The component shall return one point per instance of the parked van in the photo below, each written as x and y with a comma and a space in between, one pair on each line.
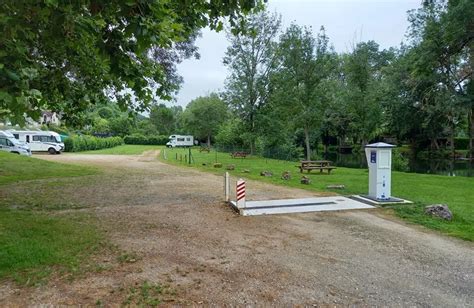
40, 141
10, 144
180, 141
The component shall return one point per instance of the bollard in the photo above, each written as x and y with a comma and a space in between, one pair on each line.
240, 193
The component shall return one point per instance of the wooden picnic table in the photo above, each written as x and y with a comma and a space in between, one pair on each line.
320, 165
239, 154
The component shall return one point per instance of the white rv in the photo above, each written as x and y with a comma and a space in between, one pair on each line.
180, 141
10, 144
40, 141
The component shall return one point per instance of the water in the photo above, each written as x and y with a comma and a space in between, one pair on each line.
430, 166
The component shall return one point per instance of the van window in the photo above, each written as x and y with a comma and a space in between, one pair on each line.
180, 139
28, 138
16, 136
44, 138
188, 139
3, 141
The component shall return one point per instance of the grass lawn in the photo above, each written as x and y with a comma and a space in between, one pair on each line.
34, 243
456, 192
125, 149
15, 168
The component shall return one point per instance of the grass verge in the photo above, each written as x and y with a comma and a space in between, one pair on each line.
456, 192
125, 149
35, 243
14, 168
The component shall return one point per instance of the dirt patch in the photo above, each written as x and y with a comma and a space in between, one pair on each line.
177, 232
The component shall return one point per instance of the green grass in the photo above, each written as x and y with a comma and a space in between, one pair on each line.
15, 168
125, 149
35, 243
456, 192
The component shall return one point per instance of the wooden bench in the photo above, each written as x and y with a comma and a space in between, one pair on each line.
320, 165
204, 149
239, 154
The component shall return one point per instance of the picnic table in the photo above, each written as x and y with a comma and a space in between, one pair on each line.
320, 165
204, 149
239, 154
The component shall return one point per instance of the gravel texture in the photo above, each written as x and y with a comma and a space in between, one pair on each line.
174, 223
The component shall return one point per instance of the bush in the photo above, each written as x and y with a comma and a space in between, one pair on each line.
461, 143
399, 162
151, 140
88, 143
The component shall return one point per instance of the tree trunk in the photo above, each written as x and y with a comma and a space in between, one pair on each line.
209, 140
471, 133
306, 139
451, 140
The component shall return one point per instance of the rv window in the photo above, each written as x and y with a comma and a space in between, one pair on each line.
3, 141
180, 139
44, 138
36, 138
187, 139
16, 136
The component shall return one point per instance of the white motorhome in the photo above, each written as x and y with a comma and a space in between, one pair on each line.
9, 143
40, 141
180, 141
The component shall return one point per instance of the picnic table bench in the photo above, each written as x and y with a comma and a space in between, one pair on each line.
320, 165
205, 149
239, 154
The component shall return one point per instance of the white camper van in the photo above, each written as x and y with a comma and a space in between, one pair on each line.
180, 141
10, 144
40, 141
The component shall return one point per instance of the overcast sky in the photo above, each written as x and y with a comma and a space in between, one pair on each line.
346, 22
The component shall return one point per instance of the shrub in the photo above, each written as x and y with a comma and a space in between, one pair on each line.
88, 143
141, 139
399, 162
461, 143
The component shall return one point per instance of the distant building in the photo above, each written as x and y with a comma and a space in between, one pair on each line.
49, 117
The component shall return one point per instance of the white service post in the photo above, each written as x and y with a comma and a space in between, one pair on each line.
227, 187
379, 160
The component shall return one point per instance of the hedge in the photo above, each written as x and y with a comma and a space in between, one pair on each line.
87, 143
140, 139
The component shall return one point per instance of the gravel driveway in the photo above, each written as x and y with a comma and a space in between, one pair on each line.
173, 220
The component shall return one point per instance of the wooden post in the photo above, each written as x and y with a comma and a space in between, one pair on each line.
227, 187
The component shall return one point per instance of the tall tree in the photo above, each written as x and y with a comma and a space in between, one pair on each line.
163, 118
306, 63
362, 76
251, 59
67, 55
204, 115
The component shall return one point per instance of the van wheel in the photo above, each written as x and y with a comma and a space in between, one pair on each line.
51, 151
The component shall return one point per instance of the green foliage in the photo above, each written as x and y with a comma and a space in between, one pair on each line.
461, 143
399, 162
85, 143
204, 115
151, 140
165, 119
68, 56
125, 149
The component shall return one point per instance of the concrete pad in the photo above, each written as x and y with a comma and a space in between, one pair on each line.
284, 206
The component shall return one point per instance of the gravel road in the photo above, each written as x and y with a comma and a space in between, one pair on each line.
182, 234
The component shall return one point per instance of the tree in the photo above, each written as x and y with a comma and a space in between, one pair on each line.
306, 63
362, 75
68, 55
204, 115
251, 59
163, 118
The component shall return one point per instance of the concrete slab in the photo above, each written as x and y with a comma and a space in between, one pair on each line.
285, 206
371, 201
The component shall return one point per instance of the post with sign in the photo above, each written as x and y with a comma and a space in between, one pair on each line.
379, 160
